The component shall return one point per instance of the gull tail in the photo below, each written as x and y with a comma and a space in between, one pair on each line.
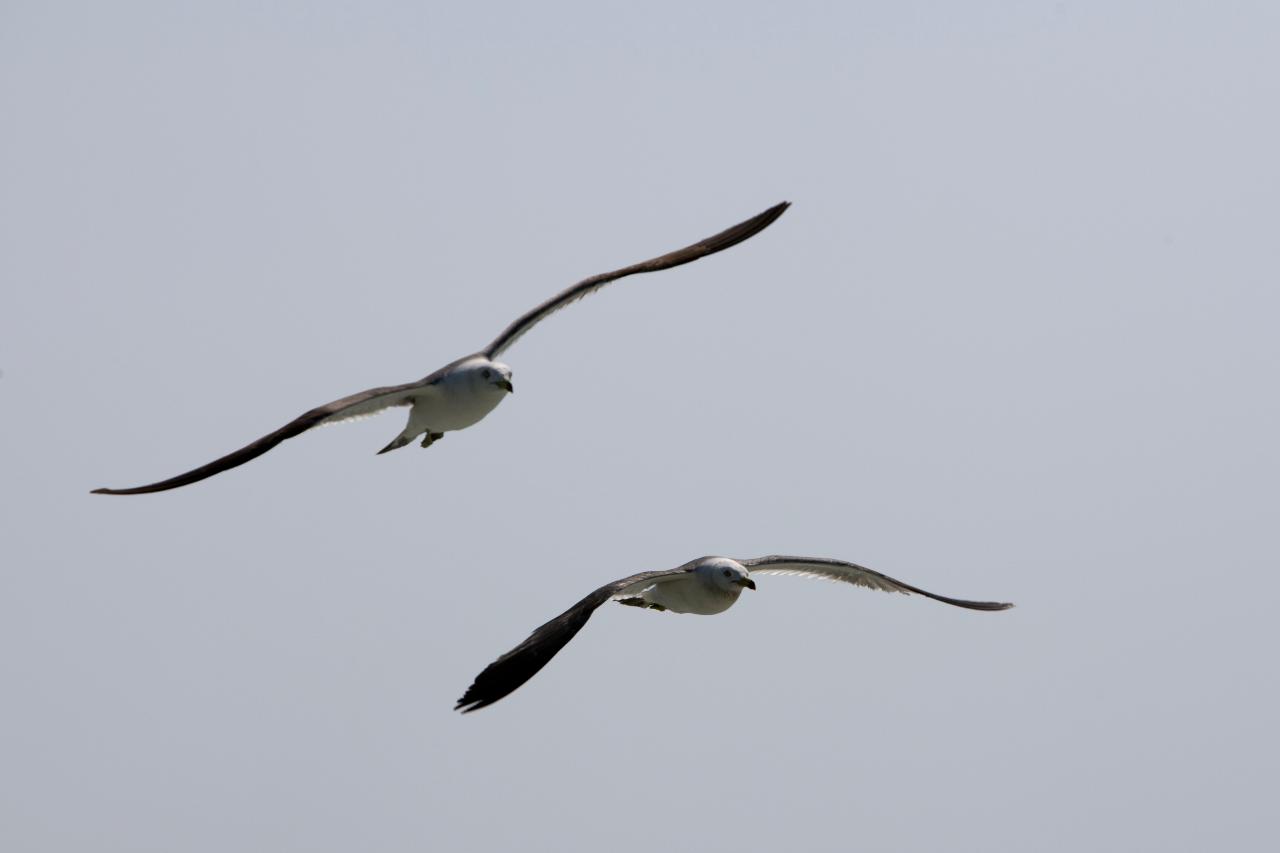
396, 443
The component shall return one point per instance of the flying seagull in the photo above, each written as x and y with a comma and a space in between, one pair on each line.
706, 586
464, 391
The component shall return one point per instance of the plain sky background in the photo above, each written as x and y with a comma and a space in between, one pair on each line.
1017, 339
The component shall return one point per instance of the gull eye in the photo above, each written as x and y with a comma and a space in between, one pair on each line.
485, 373
728, 573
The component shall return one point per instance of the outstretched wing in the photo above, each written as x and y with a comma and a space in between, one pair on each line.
717, 243
521, 663
357, 405
837, 570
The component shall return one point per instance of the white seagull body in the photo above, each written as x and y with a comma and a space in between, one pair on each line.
463, 392
705, 586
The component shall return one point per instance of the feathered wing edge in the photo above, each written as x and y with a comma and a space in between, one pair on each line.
517, 666
838, 570
708, 246
295, 427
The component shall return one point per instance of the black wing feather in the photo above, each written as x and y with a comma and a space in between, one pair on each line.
253, 450
709, 246
520, 664
840, 570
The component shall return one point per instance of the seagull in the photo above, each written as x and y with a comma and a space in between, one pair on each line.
463, 391
706, 586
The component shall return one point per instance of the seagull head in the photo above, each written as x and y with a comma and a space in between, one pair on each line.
494, 373
725, 574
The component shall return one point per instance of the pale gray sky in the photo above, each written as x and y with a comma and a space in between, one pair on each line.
1017, 340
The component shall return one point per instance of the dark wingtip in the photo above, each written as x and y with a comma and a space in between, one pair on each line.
988, 605
767, 218
731, 236
467, 704
963, 602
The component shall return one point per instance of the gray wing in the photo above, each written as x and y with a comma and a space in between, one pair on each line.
523, 662
717, 243
354, 406
837, 570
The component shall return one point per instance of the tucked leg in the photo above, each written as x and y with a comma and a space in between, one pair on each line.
431, 438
